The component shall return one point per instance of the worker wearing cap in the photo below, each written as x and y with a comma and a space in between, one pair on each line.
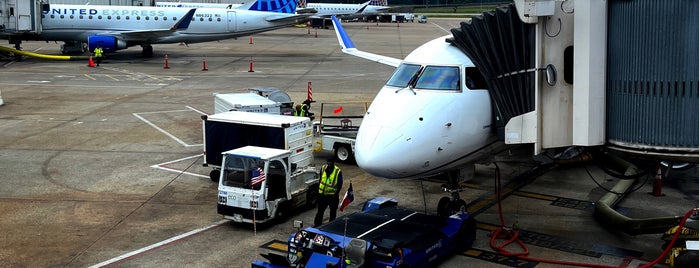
328, 191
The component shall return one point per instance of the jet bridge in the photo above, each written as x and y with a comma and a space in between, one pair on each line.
592, 72
19, 18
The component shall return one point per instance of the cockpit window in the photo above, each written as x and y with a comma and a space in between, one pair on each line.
439, 77
403, 75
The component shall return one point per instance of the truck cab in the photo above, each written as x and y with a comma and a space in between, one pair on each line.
258, 184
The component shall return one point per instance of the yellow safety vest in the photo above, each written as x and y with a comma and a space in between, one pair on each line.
302, 112
328, 184
98, 52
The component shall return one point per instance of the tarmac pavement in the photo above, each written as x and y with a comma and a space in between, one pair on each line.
102, 166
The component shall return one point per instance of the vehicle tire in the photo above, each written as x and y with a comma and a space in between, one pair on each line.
312, 196
443, 207
214, 175
343, 153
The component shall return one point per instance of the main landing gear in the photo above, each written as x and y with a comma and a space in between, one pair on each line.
147, 51
447, 206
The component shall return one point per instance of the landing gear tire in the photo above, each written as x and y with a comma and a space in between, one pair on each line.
343, 153
147, 51
446, 207
214, 175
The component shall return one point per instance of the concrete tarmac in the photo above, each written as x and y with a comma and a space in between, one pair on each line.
102, 166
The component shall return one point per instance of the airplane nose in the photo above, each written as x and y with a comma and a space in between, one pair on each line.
376, 148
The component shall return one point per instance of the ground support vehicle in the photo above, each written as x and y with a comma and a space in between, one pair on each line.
336, 130
258, 100
381, 235
260, 184
236, 129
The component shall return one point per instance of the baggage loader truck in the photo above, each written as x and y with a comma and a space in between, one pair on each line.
235, 129
260, 184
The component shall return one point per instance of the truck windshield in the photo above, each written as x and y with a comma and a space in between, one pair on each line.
243, 172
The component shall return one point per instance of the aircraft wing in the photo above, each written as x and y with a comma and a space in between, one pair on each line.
181, 24
349, 48
295, 18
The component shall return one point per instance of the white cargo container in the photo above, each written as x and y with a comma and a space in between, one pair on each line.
245, 102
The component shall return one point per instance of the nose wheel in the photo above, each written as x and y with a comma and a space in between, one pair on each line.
452, 204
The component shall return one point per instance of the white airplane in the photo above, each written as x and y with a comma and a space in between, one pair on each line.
120, 27
433, 116
322, 10
325, 10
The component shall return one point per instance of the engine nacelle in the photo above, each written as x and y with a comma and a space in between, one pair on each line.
107, 43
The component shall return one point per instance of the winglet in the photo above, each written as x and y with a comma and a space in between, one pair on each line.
349, 48
342, 36
361, 10
183, 23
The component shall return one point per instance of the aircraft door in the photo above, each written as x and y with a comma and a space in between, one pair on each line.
232, 21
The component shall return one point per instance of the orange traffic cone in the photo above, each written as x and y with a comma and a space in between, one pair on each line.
658, 183
90, 63
167, 65
251, 70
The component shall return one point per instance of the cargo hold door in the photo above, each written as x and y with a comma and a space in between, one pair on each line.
232, 21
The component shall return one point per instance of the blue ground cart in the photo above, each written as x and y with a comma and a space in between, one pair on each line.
381, 235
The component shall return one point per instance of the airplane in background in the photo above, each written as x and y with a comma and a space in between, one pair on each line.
433, 116
322, 10
325, 10
119, 27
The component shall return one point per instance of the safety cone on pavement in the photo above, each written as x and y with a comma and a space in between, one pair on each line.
251, 39
167, 65
203, 65
250, 71
658, 183
90, 63
316, 33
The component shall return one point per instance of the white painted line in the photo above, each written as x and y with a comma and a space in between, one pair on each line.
159, 244
163, 167
195, 109
138, 115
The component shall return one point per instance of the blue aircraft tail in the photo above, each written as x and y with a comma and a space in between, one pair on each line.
281, 6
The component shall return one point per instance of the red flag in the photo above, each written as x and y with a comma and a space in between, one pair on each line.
349, 197
338, 110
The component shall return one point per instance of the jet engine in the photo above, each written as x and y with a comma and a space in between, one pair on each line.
108, 43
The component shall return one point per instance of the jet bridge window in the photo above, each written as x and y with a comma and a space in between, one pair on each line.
439, 77
403, 75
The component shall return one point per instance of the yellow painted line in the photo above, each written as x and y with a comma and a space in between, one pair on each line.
90, 77
278, 246
537, 196
487, 227
473, 252
112, 77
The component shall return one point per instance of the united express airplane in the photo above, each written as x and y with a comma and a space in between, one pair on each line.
433, 116
119, 27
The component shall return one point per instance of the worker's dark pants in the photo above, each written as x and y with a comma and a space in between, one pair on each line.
323, 202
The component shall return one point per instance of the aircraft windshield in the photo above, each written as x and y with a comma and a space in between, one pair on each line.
439, 77
431, 77
403, 75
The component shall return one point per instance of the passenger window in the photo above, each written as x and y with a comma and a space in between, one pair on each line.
147, 18
72, 17
210, 19
155, 18
118, 17
138, 17
126, 18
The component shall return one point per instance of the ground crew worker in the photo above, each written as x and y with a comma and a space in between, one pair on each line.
328, 191
98, 55
300, 110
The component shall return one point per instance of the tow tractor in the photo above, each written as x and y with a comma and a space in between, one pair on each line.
381, 235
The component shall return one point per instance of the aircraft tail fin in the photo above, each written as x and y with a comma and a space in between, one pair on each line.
183, 23
280, 6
